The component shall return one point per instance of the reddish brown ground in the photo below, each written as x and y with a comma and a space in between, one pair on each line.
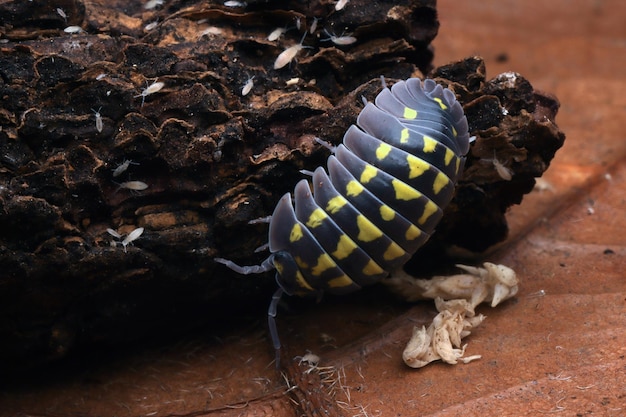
561, 352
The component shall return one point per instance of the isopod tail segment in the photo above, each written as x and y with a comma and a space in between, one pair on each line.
383, 195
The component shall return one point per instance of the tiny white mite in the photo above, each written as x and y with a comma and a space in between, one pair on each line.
134, 185
99, 124
100, 76
313, 26
73, 29
123, 167
132, 236
151, 89
151, 26
289, 54
233, 3
153, 4
339, 40
341, 4
61, 13
211, 30
247, 87
504, 172
276, 34
114, 233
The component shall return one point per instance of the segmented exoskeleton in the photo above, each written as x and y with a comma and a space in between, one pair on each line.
385, 191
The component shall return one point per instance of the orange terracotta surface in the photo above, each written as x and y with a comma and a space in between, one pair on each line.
557, 348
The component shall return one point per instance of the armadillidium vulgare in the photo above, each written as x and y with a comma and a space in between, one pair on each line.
385, 191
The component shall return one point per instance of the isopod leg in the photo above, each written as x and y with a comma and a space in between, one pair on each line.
271, 320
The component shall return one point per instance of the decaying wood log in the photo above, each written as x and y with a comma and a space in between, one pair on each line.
206, 159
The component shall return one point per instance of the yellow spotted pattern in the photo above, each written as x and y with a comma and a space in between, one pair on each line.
296, 233
368, 173
354, 252
387, 213
409, 113
316, 218
354, 188
441, 103
324, 263
429, 144
440, 181
301, 263
367, 230
302, 282
335, 204
342, 281
382, 151
429, 209
412, 233
449, 156
394, 251
404, 135
372, 268
345, 247
416, 166
404, 192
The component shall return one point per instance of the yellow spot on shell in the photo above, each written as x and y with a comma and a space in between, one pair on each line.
382, 151
440, 181
394, 251
458, 165
412, 233
316, 218
302, 282
404, 135
430, 144
416, 166
409, 113
324, 263
296, 233
301, 263
340, 282
449, 156
345, 247
335, 204
454, 132
429, 209
372, 268
353, 188
368, 173
404, 192
387, 213
367, 230
441, 103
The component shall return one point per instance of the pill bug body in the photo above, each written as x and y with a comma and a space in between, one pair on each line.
384, 193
